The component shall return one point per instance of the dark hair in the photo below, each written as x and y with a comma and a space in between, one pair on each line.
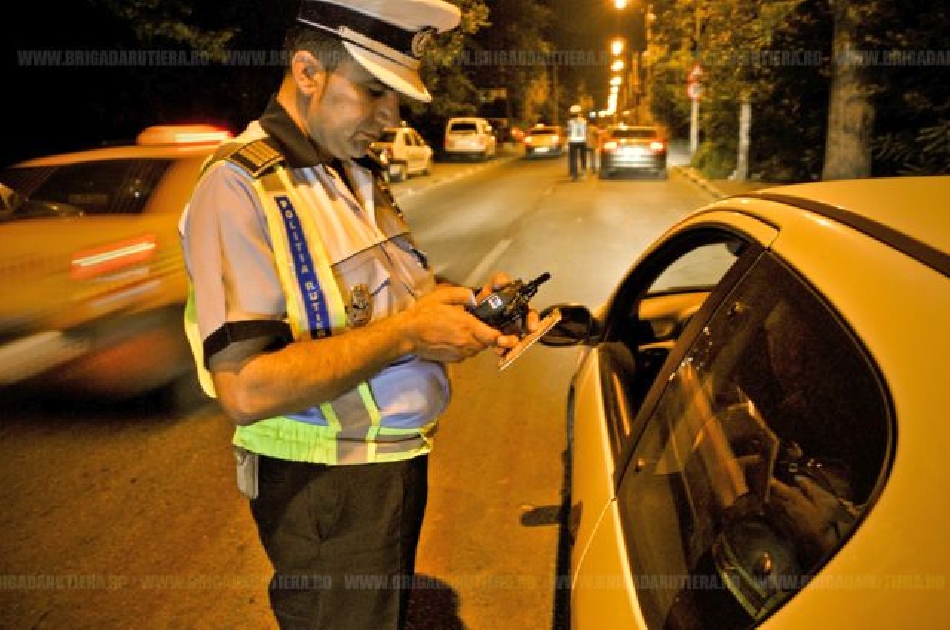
327, 48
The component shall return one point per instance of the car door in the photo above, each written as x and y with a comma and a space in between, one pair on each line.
424, 152
653, 310
416, 151
751, 460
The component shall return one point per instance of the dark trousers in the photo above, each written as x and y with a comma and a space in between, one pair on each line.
577, 155
342, 540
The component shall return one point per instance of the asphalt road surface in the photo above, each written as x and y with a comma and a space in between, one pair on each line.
127, 516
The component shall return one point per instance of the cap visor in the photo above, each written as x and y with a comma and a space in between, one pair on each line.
397, 76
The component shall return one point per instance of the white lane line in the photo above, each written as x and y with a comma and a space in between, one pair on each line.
489, 260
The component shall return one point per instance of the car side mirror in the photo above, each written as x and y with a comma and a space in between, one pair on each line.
577, 326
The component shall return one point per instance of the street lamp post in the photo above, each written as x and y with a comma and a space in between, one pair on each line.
635, 29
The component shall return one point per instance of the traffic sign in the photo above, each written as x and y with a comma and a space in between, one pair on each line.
694, 90
696, 74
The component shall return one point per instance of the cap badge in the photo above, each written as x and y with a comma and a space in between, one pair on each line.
421, 39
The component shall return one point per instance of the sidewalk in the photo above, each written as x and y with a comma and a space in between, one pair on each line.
720, 188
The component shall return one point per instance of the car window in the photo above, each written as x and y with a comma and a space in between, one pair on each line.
96, 188
633, 133
652, 308
464, 127
758, 460
547, 131
388, 137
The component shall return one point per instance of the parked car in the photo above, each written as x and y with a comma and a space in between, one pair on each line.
756, 424
405, 151
91, 266
544, 140
470, 137
633, 148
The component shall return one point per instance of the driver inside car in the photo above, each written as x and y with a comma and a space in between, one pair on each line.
810, 495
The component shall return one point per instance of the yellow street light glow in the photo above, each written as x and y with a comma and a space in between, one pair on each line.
620, 4
614, 89
616, 81
617, 65
616, 46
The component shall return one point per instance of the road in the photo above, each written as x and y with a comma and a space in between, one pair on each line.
127, 517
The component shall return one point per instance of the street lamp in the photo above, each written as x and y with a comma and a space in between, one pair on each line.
616, 46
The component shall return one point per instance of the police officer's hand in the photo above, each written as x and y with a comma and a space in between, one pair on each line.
440, 329
509, 337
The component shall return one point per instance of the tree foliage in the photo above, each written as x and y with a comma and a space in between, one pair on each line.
780, 52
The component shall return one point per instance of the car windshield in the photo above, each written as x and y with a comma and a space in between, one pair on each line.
464, 127
634, 133
546, 131
388, 137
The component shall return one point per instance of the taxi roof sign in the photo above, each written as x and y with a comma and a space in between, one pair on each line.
182, 134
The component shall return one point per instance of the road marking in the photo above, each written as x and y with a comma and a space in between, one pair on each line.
487, 261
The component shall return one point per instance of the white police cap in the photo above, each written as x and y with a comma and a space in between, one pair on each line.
386, 37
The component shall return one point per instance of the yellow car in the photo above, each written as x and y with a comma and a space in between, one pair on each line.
756, 426
91, 267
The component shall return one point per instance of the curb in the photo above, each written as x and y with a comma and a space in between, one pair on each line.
694, 176
409, 190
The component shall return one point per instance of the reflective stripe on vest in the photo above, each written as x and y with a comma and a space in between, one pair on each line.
315, 309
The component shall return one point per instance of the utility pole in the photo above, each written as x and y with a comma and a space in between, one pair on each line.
694, 111
557, 113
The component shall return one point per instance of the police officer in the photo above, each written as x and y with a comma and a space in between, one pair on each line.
317, 323
577, 142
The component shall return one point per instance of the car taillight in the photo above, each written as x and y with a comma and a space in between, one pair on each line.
610, 146
89, 263
528, 140
657, 147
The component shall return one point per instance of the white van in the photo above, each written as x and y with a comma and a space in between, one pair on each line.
470, 137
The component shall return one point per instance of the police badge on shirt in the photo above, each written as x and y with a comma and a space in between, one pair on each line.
360, 309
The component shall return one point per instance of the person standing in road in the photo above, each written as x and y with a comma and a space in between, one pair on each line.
577, 142
593, 141
317, 323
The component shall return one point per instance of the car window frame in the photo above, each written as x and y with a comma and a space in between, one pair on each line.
862, 353
633, 289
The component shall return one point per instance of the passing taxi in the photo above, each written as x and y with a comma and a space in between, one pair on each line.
757, 426
544, 141
91, 267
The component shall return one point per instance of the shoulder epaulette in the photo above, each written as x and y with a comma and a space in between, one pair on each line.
256, 157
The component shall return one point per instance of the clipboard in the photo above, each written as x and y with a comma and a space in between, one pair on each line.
528, 340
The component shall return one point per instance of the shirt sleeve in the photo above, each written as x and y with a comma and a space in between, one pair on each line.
228, 252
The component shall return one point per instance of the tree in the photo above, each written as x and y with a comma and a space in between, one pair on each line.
850, 109
511, 52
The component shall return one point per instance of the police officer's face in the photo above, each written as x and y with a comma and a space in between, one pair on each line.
351, 111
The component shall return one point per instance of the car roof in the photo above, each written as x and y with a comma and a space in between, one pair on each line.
915, 207
122, 152
159, 141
